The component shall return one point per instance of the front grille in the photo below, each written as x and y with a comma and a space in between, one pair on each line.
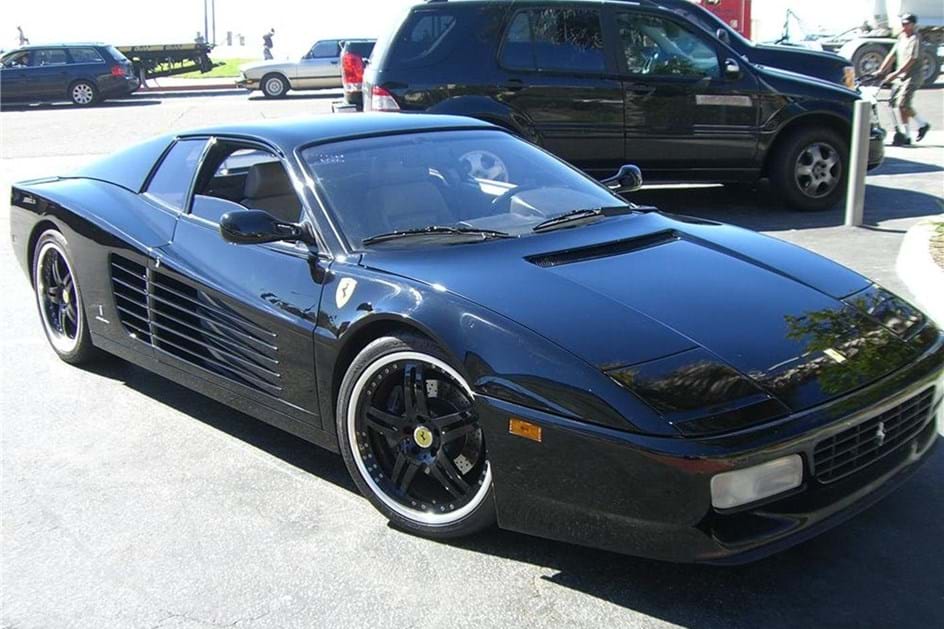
853, 449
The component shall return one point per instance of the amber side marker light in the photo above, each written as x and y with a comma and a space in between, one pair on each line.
524, 429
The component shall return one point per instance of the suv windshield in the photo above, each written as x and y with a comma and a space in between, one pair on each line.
481, 180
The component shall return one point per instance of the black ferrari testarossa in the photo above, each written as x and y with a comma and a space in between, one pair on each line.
486, 334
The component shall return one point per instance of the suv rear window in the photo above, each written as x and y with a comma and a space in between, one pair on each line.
555, 39
421, 34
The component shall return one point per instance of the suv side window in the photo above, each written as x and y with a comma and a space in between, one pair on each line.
171, 183
85, 55
565, 39
655, 46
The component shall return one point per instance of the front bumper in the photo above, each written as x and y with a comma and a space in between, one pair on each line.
650, 496
248, 84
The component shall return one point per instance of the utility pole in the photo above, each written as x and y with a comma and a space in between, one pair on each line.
213, 11
206, 26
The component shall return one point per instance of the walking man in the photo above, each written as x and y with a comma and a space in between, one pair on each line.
906, 55
267, 44
24, 40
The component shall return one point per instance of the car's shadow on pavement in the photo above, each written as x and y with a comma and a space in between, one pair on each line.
755, 210
108, 104
293, 450
335, 94
882, 568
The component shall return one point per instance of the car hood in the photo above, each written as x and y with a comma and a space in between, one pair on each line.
631, 291
787, 82
261, 67
766, 53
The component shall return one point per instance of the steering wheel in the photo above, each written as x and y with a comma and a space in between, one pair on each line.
502, 204
482, 164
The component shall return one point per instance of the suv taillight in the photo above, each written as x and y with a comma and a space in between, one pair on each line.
382, 100
352, 70
117, 71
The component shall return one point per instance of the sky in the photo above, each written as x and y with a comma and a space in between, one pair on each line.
298, 24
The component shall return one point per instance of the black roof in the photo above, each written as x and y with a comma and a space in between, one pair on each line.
289, 133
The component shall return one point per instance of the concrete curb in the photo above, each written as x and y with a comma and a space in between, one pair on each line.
917, 269
187, 88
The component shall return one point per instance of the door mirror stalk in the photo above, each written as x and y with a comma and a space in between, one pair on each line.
627, 179
253, 227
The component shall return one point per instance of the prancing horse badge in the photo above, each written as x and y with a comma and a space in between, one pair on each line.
345, 291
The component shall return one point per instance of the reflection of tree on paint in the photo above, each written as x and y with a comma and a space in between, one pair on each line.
870, 350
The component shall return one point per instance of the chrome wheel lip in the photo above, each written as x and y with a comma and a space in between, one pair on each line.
274, 81
420, 517
83, 94
819, 171
870, 62
59, 339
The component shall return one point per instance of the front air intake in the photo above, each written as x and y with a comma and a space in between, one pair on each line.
604, 250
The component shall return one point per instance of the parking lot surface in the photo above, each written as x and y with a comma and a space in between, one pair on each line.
129, 501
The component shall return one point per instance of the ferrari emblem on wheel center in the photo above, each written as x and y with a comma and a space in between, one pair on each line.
423, 436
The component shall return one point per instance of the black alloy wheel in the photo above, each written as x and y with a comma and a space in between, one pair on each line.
412, 440
60, 301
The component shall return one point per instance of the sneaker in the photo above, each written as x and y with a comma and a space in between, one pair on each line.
901, 139
923, 131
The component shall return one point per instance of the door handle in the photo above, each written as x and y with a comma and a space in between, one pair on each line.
334, 63
513, 85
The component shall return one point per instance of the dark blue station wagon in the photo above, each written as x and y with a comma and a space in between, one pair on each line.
82, 73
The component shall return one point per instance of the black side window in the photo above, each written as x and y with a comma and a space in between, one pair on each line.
658, 47
421, 34
555, 39
85, 55
49, 57
237, 177
171, 183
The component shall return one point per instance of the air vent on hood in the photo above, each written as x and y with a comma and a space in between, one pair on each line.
604, 250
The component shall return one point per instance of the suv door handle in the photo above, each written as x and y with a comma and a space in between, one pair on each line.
641, 90
513, 85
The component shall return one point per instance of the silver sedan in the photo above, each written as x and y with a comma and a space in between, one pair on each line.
318, 68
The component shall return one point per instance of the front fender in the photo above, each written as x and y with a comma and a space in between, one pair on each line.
498, 357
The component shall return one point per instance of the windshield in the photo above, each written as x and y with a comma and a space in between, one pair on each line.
485, 180
711, 22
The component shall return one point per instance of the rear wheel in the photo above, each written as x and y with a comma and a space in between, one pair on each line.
274, 85
930, 67
868, 59
59, 299
83, 93
809, 169
411, 439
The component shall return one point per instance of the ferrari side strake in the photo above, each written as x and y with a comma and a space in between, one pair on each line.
487, 335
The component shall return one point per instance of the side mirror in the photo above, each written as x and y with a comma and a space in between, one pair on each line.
628, 179
253, 227
723, 35
732, 69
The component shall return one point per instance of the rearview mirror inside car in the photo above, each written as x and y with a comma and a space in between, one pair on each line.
248, 227
628, 179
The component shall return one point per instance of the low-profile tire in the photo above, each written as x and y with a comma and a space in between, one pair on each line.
273, 85
809, 169
59, 299
411, 440
83, 93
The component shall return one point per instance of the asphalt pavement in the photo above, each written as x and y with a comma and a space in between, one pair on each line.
128, 501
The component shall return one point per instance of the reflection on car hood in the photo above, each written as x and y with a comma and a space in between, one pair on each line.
629, 290
258, 68
787, 82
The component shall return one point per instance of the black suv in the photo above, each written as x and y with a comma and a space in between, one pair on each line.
605, 83
82, 73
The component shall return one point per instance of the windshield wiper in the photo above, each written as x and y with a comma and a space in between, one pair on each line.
435, 229
580, 215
